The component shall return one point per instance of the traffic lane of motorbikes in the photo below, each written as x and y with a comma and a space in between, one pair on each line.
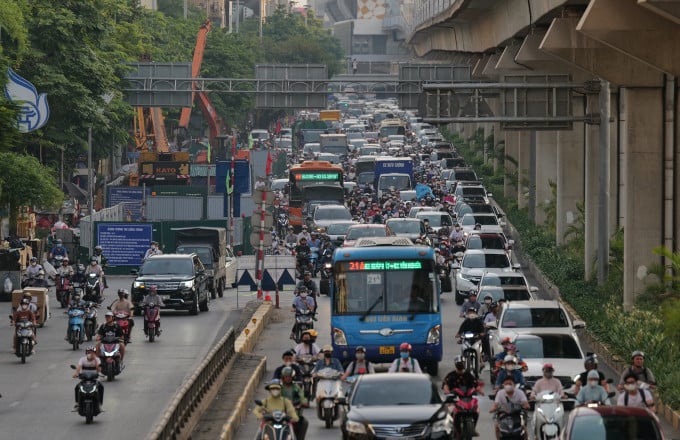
37, 397
274, 340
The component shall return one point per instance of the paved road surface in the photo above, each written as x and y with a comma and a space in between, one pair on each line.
37, 398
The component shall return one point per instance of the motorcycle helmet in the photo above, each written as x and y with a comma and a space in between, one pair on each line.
637, 353
25, 301
98, 249
81, 268
109, 313
90, 348
123, 292
65, 261
405, 346
509, 359
287, 372
591, 361
274, 383
93, 260
34, 259
312, 334
360, 348
458, 362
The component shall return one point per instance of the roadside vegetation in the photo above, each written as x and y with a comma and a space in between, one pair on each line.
652, 326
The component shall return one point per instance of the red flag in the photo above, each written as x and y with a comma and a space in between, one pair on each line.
268, 166
278, 127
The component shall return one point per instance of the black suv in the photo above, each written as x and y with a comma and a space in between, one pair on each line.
181, 281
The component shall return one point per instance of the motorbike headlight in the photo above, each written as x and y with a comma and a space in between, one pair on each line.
355, 427
138, 285
327, 265
186, 284
339, 337
434, 335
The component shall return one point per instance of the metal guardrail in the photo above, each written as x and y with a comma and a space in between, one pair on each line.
189, 396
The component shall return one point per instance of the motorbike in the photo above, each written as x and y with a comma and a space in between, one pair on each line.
471, 349
282, 222
152, 321
464, 410
56, 261
326, 282
123, 321
548, 416
110, 357
512, 422
328, 389
63, 289
444, 279
92, 289
302, 263
24, 344
76, 321
313, 258
304, 321
307, 363
275, 425
88, 394
90, 323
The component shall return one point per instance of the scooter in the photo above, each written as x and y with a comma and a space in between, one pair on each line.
76, 320
110, 357
92, 289
464, 410
90, 324
304, 321
63, 289
123, 321
152, 321
443, 271
328, 389
88, 394
512, 422
275, 425
24, 344
548, 416
471, 351
313, 258
307, 363
326, 283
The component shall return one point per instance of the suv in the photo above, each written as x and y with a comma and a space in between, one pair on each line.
475, 263
181, 281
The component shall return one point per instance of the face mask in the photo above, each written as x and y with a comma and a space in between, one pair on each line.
509, 367
306, 341
24, 306
303, 295
508, 388
361, 356
153, 248
328, 355
275, 393
33, 263
548, 375
404, 354
94, 263
472, 315
630, 386
58, 245
592, 383
90, 357
487, 301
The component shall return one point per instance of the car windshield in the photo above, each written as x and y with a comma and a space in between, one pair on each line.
466, 175
436, 220
473, 191
481, 261
332, 214
614, 427
384, 392
203, 253
485, 242
399, 227
547, 346
502, 280
338, 228
167, 266
534, 317
399, 182
355, 233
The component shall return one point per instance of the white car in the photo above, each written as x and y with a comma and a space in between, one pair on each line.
231, 265
488, 222
475, 263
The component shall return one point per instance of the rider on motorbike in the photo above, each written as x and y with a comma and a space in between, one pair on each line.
33, 269
637, 368
471, 303
547, 383
472, 324
300, 303
405, 363
275, 402
58, 250
308, 345
360, 365
593, 392
124, 305
89, 362
24, 313
328, 361
96, 269
508, 394
308, 283
76, 303
314, 241
510, 370
590, 364
293, 392
302, 254
101, 260
288, 358
65, 270
149, 298
459, 378
110, 328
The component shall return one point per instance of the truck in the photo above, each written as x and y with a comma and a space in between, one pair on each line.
335, 144
210, 244
393, 172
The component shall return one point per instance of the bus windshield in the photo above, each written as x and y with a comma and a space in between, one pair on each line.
385, 291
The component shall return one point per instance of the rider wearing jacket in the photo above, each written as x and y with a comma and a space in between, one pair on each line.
153, 298
110, 329
275, 402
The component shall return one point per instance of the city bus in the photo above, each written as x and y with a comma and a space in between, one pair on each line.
386, 292
390, 127
313, 181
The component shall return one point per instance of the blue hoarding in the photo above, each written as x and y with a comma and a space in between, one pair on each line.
131, 196
124, 244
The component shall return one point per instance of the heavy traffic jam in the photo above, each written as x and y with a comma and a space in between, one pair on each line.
411, 307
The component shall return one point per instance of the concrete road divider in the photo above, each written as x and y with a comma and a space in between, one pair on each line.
248, 337
241, 408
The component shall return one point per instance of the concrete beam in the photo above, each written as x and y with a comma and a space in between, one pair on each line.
506, 62
478, 69
635, 31
489, 70
668, 9
563, 41
531, 55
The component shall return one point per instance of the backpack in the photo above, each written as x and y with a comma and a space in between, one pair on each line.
642, 395
354, 366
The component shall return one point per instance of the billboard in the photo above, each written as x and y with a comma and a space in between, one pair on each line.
131, 196
124, 244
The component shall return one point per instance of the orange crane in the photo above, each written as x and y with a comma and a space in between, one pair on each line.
215, 124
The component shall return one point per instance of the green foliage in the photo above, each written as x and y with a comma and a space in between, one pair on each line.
550, 209
25, 181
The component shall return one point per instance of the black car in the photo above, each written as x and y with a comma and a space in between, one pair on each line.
393, 405
181, 281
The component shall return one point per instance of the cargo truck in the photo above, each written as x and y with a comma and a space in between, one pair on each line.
393, 173
210, 244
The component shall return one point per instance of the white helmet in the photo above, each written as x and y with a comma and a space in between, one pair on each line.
509, 358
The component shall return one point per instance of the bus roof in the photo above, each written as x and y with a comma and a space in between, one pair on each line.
315, 164
415, 252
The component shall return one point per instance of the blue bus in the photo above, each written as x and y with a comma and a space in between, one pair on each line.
386, 292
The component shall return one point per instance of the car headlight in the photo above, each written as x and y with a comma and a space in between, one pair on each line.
138, 285
186, 284
443, 424
339, 337
434, 335
355, 427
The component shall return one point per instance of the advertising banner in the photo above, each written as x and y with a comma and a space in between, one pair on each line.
124, 244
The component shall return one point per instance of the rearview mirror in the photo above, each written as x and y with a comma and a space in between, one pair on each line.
578, 324
134, 271
533, 289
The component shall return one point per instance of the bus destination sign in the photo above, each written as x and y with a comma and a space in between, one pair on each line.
320, 175
384, 265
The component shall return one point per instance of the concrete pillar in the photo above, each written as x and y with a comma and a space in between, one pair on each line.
488, 131
592, 139
546, 171
570, 172
643, 211
523, 159
511, 152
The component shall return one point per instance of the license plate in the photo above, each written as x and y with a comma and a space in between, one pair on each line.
387, 349
165, 296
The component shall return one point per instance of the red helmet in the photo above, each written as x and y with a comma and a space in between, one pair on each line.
405, 346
